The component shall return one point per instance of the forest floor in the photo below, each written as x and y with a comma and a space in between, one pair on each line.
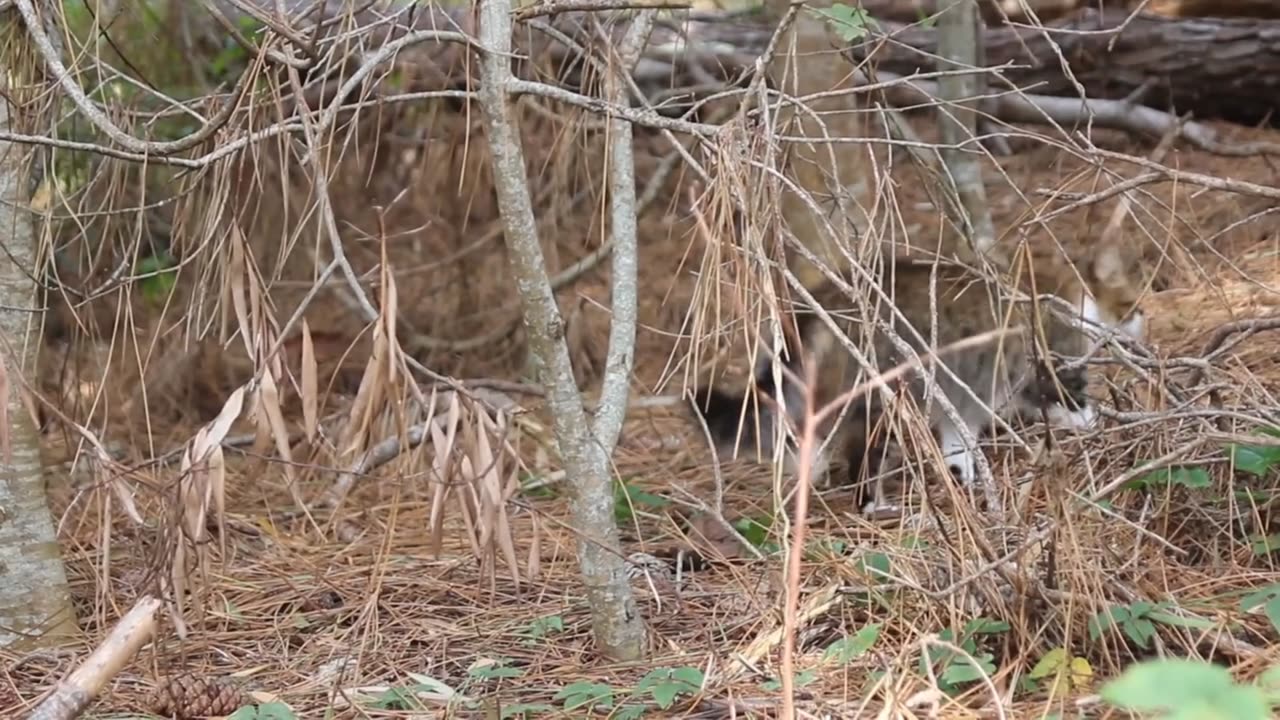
355, 615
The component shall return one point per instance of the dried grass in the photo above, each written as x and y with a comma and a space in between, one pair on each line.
432, 562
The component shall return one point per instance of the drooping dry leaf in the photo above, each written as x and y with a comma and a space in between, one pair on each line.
239, 297
533, 568
491, 484
270, 403
310, 389
368, 397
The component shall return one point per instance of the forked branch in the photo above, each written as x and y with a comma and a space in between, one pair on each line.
618, 627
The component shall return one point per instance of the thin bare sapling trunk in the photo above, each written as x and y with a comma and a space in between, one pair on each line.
958, 49
35, 602
585, 450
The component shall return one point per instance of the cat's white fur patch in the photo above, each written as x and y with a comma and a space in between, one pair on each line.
1081, 419
1136, 326
956, 454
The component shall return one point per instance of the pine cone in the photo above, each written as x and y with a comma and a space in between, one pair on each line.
185, 696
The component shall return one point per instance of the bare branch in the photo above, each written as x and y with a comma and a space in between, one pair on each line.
622, 202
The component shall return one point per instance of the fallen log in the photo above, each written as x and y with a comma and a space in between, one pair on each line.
1214, 68
1227, 68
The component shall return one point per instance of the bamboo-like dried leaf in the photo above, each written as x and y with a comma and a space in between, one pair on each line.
492, 487
310, 385
239, 298
367, 396
466, 501
440, 488
389, 310
118, 486
533, 568
217, 491
270, 403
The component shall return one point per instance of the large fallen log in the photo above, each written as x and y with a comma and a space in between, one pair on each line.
1225, 68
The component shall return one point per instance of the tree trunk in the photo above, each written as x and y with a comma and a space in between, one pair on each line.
838, 177
1216, 8
1211, 67
617, 624
35, 602
958, 49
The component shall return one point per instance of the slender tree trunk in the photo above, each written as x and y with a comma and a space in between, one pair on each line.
618, 627
35, 603
958, 50
840, 176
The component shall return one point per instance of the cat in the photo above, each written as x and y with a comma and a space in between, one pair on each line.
1010, 375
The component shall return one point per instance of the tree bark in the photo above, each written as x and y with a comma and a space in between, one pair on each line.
1211, 67
958, 49
35, 602
1214, 67
616, 622
1216, 8
837, 176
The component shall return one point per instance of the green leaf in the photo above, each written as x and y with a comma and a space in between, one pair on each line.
1258, 597
1161, 684
1263, 545
985, 626
630, 712
850, 23
689, 675
754, 529
802, 678
1269, 681
1195, 623
1193, 478
961, 670
1140, 630
396, 698
848, 648
525, 710
627, 498
914, 542
494, 671
665, 684
874, 564
1052, 662
1254, 459
1272, 611
665, 694
541, 627
585, 693
158, 281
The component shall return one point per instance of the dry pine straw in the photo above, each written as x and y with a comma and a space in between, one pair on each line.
283, 608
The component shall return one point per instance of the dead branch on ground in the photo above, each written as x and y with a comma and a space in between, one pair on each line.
74, 694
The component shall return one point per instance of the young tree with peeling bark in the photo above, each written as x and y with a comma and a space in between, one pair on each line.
35, 602
585, 447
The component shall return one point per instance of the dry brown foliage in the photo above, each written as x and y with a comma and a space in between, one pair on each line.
441, 542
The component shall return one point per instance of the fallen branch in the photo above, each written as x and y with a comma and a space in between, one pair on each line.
1010, 107
74, 694
1210, 67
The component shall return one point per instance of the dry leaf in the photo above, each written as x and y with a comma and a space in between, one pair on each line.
310, 390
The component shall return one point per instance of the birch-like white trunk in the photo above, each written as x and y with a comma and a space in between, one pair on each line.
35, 602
